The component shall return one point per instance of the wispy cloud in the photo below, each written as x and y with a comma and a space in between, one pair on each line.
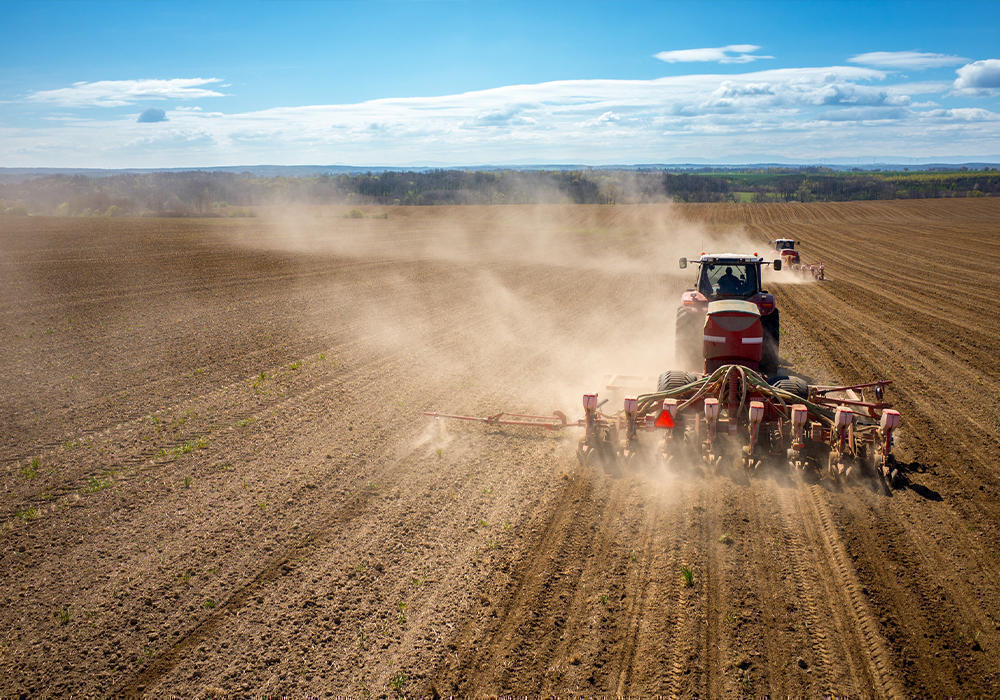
816, 112
864, 114
962, 114
734, 53
118, 93
979, 78
903, 60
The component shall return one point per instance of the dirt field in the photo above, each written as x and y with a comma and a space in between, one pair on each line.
215, 477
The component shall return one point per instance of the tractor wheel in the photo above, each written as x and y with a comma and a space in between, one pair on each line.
771, 325
688, 339
674, 379
793, 385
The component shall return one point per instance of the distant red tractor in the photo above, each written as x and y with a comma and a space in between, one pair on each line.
785, 247
728, 318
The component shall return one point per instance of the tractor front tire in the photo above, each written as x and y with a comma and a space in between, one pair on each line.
689, 339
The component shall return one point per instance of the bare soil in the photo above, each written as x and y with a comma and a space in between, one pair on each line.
216, 478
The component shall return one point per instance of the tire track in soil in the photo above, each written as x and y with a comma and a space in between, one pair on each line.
600, 570
645, 667
521, 645
923, 413
677, 647
640, 580
941, 611
843, 584
715, 642
686, 677
778, 620
817, 618
482, 658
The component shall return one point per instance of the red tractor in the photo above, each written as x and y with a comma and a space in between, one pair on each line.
732, 412
785, 247
728, 318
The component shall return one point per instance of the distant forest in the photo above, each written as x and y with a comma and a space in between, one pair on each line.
198, 193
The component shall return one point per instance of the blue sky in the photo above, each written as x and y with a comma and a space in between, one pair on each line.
186, 84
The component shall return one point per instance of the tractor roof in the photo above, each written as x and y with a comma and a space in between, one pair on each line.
731, 257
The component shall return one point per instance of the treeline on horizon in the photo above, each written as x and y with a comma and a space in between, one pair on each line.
199, 193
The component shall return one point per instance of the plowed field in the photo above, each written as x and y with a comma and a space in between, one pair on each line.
216, 478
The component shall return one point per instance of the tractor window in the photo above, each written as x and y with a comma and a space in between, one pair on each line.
728, 279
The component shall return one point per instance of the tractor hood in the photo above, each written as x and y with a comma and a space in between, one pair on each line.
733, 306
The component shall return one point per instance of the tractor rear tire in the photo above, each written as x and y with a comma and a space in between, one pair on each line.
771, 327
674, 379
689, 339
793, 385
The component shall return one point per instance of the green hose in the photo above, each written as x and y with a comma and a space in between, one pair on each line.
716, 385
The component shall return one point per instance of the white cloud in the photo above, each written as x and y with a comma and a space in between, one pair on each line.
853, 94
819, 112
979, 77
511, 116
732, 89
118, 93
902, 60
962, 114
734, 53
864, 114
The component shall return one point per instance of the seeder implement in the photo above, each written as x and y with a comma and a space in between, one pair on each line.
730, 415
734, 418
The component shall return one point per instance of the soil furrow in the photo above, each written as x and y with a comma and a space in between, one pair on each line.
880, 670
326, 540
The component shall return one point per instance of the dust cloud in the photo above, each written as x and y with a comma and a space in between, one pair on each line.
788, 276
525, 306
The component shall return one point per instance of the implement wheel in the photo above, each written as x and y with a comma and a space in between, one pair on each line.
793, 385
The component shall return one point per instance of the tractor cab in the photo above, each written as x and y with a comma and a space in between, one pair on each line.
729, 276
784, 244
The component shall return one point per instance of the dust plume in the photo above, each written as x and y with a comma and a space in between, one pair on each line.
531, 306
788, 276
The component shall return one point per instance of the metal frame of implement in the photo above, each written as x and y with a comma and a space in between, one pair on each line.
734, 413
